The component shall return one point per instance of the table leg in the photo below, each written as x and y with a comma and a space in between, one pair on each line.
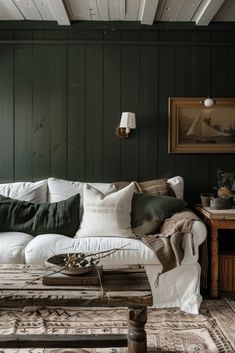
137, 342
214, 262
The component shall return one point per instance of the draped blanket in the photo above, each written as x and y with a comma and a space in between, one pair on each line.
168, 244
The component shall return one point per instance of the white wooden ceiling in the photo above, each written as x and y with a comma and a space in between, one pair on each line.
202, 12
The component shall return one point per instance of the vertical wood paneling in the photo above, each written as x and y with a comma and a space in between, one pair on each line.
148, 117
76, 108
111, 143
166, 74
6, 114
94, 113
76, 112
23, 112
58, 111
183, 87
41, 112
130, 103
60, 104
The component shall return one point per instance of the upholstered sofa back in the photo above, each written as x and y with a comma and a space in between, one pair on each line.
54, 189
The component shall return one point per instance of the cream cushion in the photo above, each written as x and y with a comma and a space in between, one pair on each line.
60, 189
26, 191
177, 185
13, 246
106, 215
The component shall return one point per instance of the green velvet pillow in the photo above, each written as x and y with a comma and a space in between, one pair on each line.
32, 218
149, 211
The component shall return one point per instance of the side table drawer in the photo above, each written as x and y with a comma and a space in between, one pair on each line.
227, 272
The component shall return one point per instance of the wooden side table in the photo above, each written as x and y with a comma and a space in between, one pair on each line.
216, 219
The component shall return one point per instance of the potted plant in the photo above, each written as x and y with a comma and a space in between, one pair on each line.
225, 183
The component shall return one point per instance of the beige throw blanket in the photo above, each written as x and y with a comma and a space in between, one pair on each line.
168, 244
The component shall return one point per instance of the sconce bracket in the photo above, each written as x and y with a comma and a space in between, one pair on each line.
121, 132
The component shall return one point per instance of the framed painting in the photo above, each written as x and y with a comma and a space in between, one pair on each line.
195, 128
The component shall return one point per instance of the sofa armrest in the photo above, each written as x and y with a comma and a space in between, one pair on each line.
192, 241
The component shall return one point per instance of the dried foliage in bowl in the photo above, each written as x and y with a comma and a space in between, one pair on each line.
78, 263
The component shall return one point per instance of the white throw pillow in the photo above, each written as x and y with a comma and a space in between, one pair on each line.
26, 191
106, 215
60, 189
177, 185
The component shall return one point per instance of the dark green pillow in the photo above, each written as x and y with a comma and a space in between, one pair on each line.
32, 218
149, 211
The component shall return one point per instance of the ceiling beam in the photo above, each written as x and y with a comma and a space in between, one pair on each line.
207, 11
148, 11
59, 12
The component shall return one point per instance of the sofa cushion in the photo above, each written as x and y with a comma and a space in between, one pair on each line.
153, 187
13, 246
26, 191
46, 245
177, 185
149, 211
59, 189
106, 215
58, 217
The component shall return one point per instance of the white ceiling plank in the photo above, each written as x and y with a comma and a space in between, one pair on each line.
207, 11
132, 10
188, 10
141, 10
149, 11
122, 10
103, 9
172, 10
28, 9
94, 12
9, 11
78, 10
160, 9
226, 12
114, 10
44, 10
59, 12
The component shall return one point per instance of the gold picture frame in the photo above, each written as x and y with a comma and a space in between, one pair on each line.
195, 128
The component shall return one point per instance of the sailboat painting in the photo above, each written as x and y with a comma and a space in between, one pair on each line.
194, 128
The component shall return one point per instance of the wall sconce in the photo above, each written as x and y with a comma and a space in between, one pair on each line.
208, 102
126, 124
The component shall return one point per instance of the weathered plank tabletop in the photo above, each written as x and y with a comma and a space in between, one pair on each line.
21, 286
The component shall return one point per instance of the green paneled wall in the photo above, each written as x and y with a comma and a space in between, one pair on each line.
62, 91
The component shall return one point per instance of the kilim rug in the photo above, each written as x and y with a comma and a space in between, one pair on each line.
168, 330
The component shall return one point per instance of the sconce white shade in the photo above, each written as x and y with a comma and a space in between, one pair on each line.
208, 102
126, 124
128, 120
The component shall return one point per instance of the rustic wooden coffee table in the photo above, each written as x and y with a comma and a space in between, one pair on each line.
21, 286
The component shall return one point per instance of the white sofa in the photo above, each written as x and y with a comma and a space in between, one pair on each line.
179, 287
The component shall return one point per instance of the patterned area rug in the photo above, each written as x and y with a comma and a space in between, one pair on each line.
168, 330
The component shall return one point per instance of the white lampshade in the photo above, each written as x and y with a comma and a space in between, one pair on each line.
128, 120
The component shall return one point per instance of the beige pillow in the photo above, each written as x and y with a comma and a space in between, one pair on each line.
106, 215
154, 187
